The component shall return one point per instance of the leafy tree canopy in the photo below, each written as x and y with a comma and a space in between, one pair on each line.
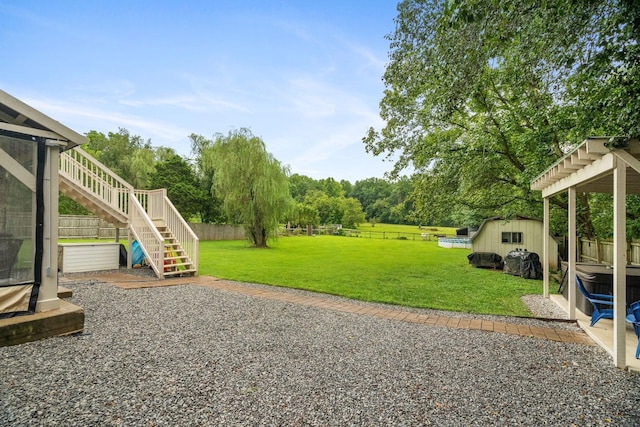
253, 184
178, 177
129, 156
483, 95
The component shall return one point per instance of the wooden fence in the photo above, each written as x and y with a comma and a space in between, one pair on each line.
601, 251
218, 231
91, 227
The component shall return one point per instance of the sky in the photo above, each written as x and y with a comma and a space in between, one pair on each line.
304, 75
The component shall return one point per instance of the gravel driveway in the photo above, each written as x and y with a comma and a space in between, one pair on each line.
192, 355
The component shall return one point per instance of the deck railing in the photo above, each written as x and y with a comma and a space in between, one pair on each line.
93, 176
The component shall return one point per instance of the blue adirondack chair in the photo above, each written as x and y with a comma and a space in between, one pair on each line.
602, 304
634, 319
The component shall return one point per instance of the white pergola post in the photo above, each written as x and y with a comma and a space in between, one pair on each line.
48, 294
619, 264
545, 249
571, 273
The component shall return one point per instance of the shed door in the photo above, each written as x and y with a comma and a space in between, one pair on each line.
21, 221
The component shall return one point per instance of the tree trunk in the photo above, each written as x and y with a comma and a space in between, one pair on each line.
584, 217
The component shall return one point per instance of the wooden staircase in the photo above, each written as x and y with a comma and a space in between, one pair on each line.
169, 244
176, 260
91, 203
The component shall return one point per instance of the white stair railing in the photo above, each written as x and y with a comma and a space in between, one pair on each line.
159, 207
182, 232
146, 233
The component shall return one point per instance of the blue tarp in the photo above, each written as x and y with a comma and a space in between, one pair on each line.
137, 256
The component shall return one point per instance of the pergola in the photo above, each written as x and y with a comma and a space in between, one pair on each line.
598, 165
30, 143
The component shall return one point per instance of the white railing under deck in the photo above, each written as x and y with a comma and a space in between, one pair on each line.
146, 233
96, 178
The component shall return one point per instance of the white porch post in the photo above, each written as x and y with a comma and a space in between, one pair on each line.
545, 249
48, 296
571, 273
619, 264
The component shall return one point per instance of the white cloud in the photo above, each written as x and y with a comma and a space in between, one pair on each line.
82, 118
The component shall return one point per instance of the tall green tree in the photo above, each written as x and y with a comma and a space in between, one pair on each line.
347, 187
68, 206
483, 95
331, 187
178, 177
300, 185
211, 210
372, 194
353, 215
129, 156
330, 209
304, 214
253, 185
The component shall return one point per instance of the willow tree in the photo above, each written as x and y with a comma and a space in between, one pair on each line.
253, 185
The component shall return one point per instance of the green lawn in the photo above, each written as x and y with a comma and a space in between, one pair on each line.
400, 228
404, 272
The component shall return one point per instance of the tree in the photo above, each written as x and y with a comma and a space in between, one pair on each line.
68, 206
347, 187
331, 187
300, 185
178, 177
252, 183
330, 209
484, 95
211, 209
304, 215
129, 156
371, 191
353, 215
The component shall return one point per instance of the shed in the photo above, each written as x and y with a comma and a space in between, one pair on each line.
501, 236
30, 143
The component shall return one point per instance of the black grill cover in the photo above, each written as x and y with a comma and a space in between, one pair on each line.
485, 259
523, 263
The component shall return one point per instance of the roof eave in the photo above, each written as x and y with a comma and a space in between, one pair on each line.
52, 129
